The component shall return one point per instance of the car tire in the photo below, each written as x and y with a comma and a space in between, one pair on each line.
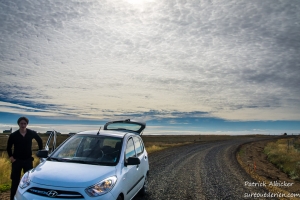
120, 197
144, 189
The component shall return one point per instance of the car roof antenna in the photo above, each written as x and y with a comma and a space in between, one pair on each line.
99, 131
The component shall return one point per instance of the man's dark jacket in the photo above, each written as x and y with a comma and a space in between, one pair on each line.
22, 145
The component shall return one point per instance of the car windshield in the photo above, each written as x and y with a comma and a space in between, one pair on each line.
89, 149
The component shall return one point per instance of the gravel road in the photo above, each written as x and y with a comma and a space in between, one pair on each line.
199, 171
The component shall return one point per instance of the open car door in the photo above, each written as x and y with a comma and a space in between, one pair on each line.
126, 125
52, 138
49, 148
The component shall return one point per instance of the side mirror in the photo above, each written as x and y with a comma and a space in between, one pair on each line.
132, 161
42, 153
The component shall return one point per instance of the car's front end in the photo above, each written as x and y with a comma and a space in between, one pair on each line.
38, 192
67, 181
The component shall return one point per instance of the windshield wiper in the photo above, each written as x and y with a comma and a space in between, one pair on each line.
56, 159
74, 161
84, 162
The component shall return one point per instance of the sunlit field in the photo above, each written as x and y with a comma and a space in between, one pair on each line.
4, 172
285, 154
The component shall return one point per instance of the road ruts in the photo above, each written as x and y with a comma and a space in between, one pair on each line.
198, 171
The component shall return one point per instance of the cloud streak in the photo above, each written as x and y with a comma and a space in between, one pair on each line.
99, 60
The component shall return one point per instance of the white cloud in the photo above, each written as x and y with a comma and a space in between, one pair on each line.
233, 59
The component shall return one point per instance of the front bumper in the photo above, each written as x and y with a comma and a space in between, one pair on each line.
41, 193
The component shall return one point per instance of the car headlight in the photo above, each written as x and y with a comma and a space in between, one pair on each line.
102, 187
25, 181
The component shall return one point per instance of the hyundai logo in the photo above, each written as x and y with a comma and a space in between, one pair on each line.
52, 193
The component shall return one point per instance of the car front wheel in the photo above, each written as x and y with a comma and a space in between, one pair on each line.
120, 197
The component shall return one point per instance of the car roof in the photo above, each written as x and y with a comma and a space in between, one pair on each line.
119, 134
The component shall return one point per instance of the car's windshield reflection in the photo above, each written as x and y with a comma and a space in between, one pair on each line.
88, 149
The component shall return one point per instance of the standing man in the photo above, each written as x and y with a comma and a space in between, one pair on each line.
21, 157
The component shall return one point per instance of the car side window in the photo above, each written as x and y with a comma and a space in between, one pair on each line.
130, 152
138, 146
142, 144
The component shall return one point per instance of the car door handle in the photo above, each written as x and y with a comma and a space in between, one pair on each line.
145, 157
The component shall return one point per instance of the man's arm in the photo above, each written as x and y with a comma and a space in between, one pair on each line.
38, 140
9, 146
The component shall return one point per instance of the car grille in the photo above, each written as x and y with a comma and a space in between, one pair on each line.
55, 193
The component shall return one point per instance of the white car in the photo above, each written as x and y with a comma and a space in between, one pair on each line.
105, 164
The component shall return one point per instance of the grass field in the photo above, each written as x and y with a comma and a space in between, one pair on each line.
152, 144
285, 154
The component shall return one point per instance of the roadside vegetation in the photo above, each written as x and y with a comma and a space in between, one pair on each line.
5, 172
252, 158
160, 146
285, 154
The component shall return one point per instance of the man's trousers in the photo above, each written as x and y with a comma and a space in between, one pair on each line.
15, 176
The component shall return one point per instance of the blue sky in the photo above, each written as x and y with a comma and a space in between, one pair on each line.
183, 67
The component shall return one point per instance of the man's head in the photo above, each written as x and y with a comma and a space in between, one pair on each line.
22, 122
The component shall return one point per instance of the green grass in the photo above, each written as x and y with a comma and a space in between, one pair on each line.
4, 187
5, 169
285, 156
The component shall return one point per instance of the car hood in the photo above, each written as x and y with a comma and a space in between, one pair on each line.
63, 174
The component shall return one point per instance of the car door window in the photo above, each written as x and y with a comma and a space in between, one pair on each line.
130, 152
142, 144
138, 147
